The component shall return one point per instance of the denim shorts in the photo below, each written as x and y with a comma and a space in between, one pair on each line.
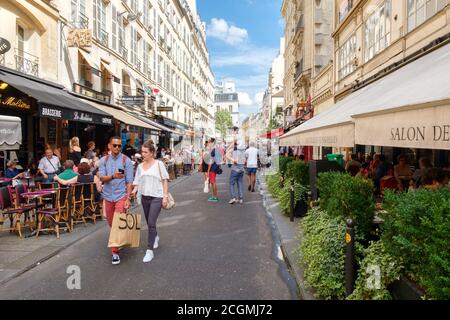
251, 171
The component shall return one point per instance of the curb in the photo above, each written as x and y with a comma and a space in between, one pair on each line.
295, 269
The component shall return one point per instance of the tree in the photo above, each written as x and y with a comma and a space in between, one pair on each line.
223, 122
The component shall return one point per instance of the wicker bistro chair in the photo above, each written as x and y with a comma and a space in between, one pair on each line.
7, 207
57, 214
21, 202
77, 204
91, 206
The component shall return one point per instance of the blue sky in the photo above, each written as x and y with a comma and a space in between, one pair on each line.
243, 38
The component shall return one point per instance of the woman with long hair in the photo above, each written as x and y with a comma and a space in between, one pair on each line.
75, 150
152, 188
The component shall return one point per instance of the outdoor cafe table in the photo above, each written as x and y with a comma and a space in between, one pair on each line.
36, 195
4, 181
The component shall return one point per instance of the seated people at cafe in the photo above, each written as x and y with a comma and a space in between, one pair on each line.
353, 162
381, 170
435, 178
402, 173
424, 164
49, 165
84, 176
68, 173
11, 171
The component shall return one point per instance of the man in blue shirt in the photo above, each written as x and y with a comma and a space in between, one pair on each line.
116, 173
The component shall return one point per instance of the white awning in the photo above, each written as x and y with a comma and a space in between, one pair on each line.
108, 68
416, 91
123, 116
10, 133
89, 59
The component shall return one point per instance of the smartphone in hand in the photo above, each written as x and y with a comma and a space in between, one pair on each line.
121, 171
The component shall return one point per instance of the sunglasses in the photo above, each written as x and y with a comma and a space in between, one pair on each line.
117, 146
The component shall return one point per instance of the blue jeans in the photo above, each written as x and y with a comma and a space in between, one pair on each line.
236, 178
49, 179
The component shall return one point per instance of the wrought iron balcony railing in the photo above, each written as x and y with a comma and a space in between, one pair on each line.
26, 62
104, 38
83, 21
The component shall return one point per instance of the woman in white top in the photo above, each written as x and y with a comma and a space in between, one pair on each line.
152, 187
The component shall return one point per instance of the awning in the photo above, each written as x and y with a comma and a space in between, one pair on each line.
412, 98
91, 62
156, 124
10, 133
123, 116
53, 101
108, 68
273, 134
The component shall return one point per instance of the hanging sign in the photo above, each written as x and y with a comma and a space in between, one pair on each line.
5, 46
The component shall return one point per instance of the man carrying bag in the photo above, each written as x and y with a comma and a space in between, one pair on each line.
116, 173
125, 230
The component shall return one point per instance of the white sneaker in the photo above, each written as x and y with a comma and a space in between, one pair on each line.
156, 245
148, 256
232, 201
241, 201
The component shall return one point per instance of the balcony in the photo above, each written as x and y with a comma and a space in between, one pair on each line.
104, 96
137, 64
26, 62
148, 71
123, 52
82, 21
104, 38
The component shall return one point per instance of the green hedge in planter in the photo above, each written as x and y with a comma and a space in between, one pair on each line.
285, 196
299, 171
342, 195
377, 270
322, 251
417, 230
273, 185
283, 164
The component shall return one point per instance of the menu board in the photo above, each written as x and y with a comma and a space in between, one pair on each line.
51, 133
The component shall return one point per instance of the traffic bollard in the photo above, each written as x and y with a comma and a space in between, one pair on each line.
349, 258
292, 204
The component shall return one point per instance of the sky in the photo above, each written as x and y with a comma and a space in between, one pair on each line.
243, 38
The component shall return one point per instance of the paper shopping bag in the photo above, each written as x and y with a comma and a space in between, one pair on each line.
125, 230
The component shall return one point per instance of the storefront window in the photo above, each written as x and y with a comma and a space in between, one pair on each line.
347, 56
377, 31
421, 10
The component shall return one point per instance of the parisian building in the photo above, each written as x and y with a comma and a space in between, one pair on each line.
226, 98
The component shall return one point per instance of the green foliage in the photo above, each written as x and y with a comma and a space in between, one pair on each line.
299, 171
344, 196
283, 164
377, 263
273, 184
417, 230
323, 253
223, 121
284, 196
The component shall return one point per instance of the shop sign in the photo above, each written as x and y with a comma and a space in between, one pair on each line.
66, 114
15, 102
81, 38
164, 109
133, 100
5, 46
437, 133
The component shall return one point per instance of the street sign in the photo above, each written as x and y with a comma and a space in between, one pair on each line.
133, 100
5, 46
164, 109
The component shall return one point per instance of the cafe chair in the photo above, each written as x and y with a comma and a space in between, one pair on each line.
91, 206
21, 202
77, 204
8, 208
57, 214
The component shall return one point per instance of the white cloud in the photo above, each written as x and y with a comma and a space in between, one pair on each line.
222, 30
259, 58
259, 97
244, 99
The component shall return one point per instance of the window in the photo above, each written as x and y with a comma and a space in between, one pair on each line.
344, 9
347, 56
133, 46
230, 108
147, 14
114, 28
133, 5
146, 49
100, 22
421, 10
78, 13
160, 70
122, 38
377, 31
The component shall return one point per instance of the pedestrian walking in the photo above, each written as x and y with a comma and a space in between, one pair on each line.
49, 166
237, 174
214, 169
116, 174
152, 187
251, 155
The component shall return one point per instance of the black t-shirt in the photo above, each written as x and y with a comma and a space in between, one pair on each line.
129, 151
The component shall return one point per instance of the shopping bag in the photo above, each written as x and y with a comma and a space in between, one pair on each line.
206, 187
125, 230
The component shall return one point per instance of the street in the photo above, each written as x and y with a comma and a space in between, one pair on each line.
207, 251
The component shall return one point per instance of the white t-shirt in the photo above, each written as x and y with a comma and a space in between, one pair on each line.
252, 157
149, 181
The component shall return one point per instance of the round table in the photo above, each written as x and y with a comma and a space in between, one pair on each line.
36, 195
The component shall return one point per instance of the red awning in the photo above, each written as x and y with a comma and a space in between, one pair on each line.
274, 134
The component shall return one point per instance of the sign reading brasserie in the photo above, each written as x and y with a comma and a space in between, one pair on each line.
15, 102
60, 113
80, 38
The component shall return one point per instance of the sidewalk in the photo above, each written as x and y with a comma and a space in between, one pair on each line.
290, 236
18, 255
